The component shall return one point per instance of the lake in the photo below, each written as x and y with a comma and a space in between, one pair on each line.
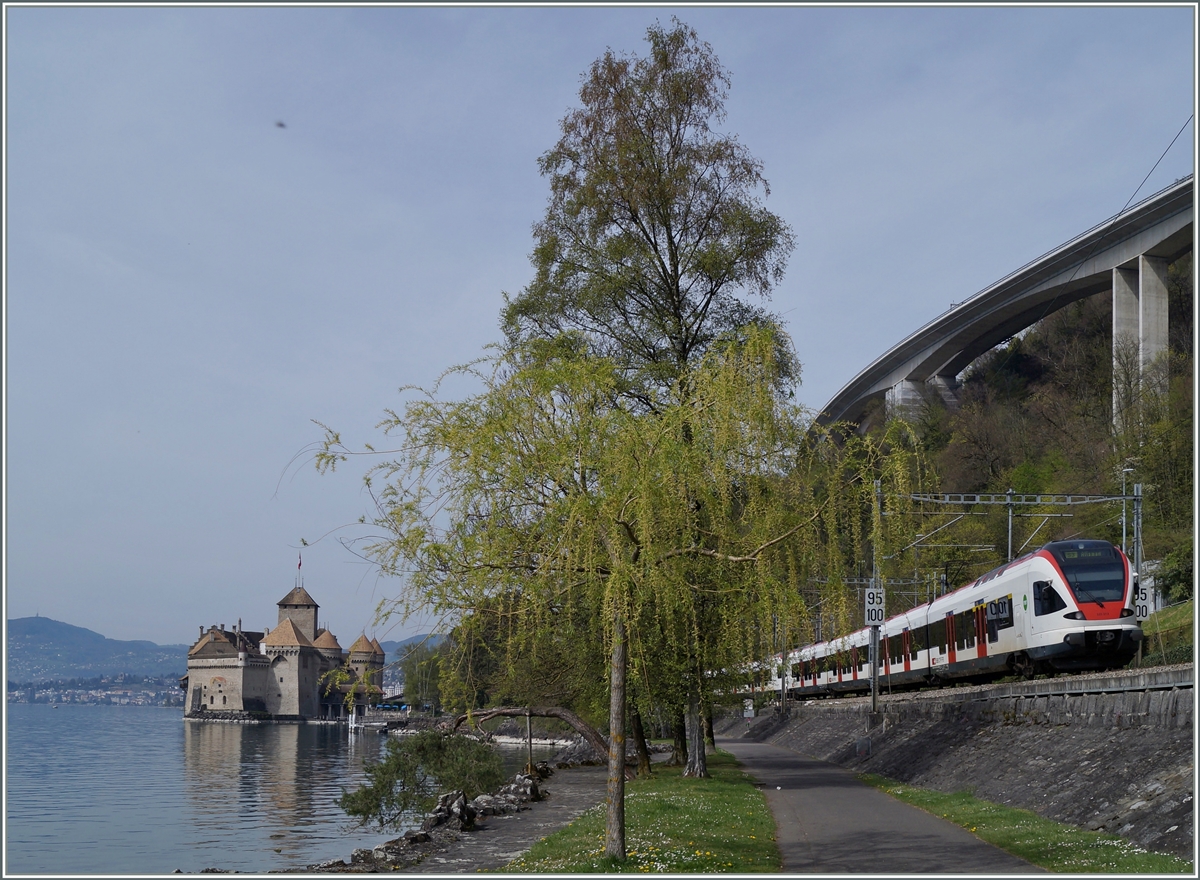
138, 790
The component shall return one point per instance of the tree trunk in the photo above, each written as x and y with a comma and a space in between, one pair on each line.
639, 742
679, 744
697, 766
614, 823
710, 738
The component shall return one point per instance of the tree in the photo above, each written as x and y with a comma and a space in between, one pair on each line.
421, 665
654, 227
654, 223
542, 493
403, 781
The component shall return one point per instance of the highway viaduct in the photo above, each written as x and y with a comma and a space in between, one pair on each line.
1126, 255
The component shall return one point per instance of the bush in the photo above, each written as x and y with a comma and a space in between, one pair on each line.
412, 771
1176, 572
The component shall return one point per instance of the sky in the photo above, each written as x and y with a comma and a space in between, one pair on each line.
190, 285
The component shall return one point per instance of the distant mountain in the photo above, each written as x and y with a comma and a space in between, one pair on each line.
42, 649
396, 650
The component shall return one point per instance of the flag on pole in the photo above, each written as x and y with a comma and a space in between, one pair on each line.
301, 562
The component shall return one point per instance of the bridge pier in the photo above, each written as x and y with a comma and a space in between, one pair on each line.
907, 397
1139, 331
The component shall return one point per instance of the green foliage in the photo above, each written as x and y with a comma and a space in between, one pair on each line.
1044, 842
413, 771
1177, 574
676, 826
1037, 417
654, 222
422, 668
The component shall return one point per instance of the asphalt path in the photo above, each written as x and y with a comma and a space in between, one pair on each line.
827, 822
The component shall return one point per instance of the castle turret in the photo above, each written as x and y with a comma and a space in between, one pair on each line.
301, 609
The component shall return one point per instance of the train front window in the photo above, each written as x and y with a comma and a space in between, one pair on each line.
1094, 570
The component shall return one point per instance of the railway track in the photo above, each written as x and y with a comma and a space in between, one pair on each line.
1179, 677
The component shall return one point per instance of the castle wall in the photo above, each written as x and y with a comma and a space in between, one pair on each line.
225, 684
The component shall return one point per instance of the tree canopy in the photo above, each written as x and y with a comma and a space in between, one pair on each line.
655, 222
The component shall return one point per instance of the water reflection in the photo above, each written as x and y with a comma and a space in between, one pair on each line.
264, 795
123, 790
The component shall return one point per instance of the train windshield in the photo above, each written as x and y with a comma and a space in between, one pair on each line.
1094, 569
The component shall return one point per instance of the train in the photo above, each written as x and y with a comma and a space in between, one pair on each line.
1066, 607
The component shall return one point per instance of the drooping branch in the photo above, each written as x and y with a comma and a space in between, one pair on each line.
752, 556
589, 733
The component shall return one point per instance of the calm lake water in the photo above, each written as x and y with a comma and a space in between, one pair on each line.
137, 790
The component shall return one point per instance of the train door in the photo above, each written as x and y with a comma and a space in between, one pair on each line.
981, 633
951, 654
1020, 610
906, 641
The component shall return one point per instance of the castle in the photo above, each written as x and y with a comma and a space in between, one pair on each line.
296, 671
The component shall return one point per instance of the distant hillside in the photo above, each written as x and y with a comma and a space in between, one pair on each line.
42, 649
395, 650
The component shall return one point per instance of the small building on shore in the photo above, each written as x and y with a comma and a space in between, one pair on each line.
295, 672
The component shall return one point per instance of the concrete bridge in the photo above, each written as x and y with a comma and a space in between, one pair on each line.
1127, 255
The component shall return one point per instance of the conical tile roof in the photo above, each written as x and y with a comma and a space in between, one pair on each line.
326, 639
377, 647
362, 645
286, 634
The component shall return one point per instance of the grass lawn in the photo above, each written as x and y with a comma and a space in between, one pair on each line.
672, 825
1169, 636
1044, 842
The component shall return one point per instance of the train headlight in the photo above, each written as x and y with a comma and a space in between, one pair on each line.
1127, 612
1074, 615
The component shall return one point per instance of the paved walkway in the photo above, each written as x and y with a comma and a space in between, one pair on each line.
830, 823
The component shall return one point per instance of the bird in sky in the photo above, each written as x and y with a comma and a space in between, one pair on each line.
279, 124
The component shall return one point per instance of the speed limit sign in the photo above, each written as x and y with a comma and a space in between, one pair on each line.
1141, 600
874, 606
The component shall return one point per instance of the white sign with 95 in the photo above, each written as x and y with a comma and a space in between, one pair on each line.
874, 606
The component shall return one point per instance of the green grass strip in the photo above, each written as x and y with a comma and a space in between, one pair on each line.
1043, 842
1169, 618
672, 825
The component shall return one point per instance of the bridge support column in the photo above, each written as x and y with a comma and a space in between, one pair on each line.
904, 400
1139, 332
946, 388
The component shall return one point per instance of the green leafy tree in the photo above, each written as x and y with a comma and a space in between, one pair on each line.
542, 494
422, 668
654, 232
655, 222
414, 769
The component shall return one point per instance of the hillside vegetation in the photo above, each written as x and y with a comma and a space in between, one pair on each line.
1036, 416
43, 649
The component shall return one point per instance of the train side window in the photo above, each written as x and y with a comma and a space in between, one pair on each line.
1046, 599
915, 643
937, 635
965, 628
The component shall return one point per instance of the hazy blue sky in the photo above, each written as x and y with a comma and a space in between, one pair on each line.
189, 285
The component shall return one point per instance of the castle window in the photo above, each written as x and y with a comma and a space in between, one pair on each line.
211, 700
222, 701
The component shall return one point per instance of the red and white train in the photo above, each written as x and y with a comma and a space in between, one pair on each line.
1065, 607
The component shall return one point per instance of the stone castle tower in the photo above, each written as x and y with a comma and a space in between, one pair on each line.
300, 608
